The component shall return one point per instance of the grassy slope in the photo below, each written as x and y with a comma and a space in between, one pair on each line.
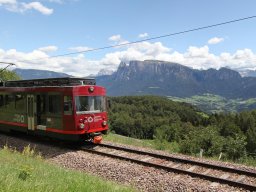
154, 144
21, 172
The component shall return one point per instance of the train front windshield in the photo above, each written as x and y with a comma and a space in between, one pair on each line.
90, 104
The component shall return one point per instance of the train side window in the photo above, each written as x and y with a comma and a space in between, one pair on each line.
68, 105
9, 101
1, 100
54, 103
20, 102
41, 104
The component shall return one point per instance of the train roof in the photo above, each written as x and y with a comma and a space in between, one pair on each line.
49, 82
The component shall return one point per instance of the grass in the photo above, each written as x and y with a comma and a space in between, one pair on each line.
153, 144
166, 146
250, 161
29, 172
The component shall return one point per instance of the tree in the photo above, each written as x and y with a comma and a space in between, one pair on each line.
206, 138
251, 140
235, 147
246, 121
8, 75
229, 128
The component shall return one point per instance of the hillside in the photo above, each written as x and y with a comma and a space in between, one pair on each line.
129, 114
184, 126
38, 74
216, 104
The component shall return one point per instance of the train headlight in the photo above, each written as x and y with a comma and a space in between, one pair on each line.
81, 126
91, 89
104, 123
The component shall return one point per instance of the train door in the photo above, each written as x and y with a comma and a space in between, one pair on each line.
41, 111
31, 112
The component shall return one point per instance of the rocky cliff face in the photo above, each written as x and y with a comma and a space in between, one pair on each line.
145, 69
165, 78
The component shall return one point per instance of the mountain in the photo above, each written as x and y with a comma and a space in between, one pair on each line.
153, 77
105, 72
172, 79
248, 73
38, 74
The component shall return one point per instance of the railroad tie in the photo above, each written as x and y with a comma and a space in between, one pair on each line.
169, 164
240, 178
122, 154
101, 149
113, 152
147, 159
225, 176
176, 165
192, 168
207, 171
97, 147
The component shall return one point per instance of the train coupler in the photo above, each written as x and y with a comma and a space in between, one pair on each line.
97, 139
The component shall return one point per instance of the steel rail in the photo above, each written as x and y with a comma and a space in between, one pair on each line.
188, 161
172, 169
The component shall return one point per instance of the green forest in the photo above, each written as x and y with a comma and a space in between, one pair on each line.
229, 136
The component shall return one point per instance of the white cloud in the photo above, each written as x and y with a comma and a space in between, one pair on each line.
56, 1
47, 49
80, 48
79, 65
61, 1
21, 7
215, 40
194, 57
143, 35
118, 40
115, 38
198, 51
37, 6
2, 2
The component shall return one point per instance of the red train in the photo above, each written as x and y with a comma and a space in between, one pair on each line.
66, 108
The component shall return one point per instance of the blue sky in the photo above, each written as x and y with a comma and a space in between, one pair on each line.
33, 30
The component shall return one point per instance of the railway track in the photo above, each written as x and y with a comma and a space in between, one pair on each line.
214, 173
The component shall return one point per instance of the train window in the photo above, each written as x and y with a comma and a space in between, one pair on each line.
20, 102
68, 105
100, 103
1, 100
41, 104
54, 103
9, 101
86, 104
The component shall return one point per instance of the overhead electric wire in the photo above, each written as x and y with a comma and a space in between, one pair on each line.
143, 40
157, 37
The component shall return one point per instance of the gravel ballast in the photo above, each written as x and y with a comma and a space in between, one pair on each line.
141, 177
